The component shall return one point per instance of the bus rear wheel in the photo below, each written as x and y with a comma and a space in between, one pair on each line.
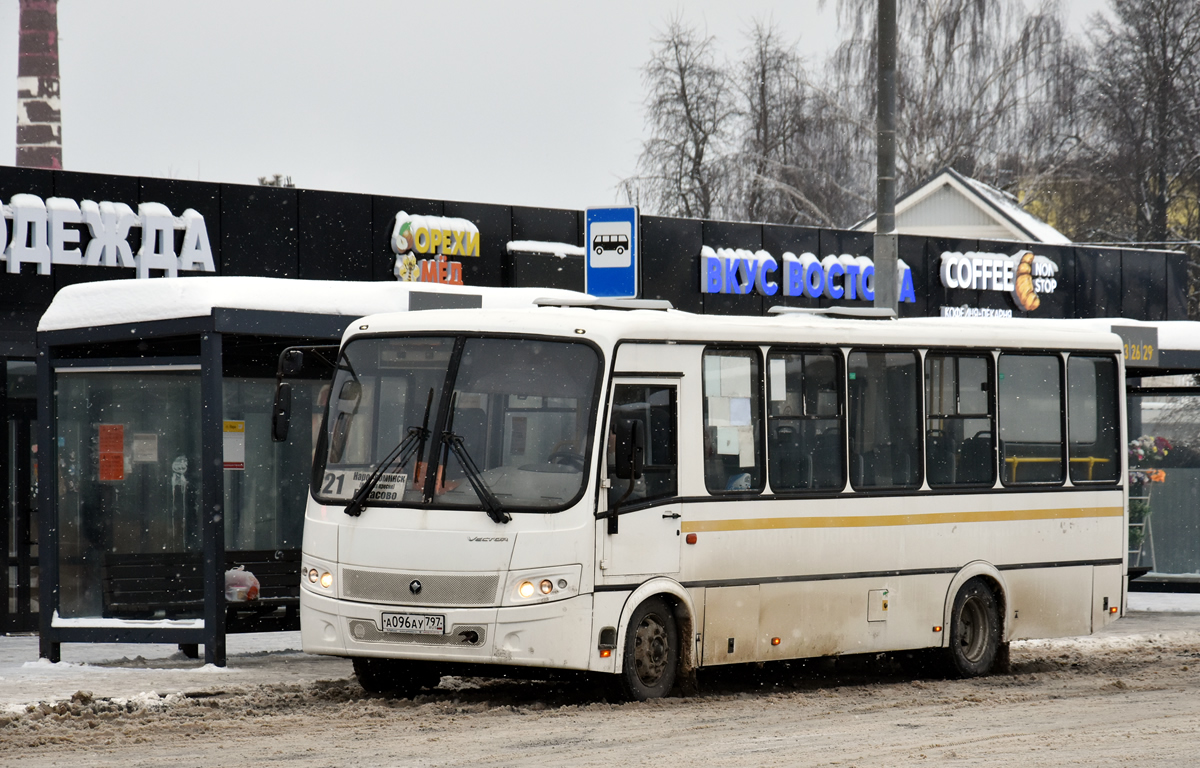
394, 676
974, 630
651, 652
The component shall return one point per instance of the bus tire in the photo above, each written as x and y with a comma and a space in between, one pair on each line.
651, 652
394, 676
974, 630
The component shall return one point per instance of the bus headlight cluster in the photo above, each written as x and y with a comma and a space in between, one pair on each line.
542, 586
317, 576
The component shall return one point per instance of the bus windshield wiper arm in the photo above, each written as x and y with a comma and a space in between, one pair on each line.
490, 503
413, 442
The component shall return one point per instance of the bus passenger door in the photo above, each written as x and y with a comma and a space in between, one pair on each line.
647, 540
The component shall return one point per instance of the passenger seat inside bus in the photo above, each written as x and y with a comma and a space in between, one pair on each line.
975, 460
789, 466
939, 458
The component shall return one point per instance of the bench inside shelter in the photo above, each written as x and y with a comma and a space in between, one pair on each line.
170, 585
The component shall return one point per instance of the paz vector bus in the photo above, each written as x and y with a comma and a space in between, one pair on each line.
625, 489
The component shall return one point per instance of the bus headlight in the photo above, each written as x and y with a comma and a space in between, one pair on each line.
317, 577
543, 585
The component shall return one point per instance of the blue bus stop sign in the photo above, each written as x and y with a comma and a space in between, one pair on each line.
611, 266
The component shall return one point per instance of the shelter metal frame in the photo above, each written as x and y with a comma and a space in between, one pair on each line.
211, 330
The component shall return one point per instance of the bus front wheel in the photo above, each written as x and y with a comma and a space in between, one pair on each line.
394, 676
651, 651
974, 630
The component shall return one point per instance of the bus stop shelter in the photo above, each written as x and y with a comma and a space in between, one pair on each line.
1162, 365
158, 472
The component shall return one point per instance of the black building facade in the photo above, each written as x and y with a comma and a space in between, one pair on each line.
240, 230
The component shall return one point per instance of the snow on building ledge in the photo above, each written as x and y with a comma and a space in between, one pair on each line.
561, 250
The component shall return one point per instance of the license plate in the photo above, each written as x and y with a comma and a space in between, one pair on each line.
414, 623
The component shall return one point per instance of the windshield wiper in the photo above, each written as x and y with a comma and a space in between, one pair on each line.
454, 443
413, 442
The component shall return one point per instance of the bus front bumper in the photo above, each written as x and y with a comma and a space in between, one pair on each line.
553, 634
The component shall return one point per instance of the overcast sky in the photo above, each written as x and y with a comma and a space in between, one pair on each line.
527, 102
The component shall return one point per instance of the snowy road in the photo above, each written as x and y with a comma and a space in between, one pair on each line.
1130, 695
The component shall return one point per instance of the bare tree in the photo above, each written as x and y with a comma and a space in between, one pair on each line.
770, 88
1102, 142
793, 160
827, 166
690, 110
980, 86
1145, 81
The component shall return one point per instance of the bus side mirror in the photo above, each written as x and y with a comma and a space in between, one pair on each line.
292, 362
282, 412
348, 397
631, 448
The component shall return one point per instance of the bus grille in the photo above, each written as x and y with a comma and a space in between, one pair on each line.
366, 632
436, 589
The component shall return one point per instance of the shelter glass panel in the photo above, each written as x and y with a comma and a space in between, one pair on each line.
266, 483
128, 489
1164, 479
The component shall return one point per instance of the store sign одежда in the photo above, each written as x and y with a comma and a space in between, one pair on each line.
37, 232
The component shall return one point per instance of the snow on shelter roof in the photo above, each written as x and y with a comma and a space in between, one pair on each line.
117, 302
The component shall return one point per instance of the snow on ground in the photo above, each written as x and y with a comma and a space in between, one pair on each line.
133, 672
129, 670
1164, 602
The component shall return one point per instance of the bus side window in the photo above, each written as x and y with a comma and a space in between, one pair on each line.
1030, 399
885, 431
959, 433
655, 406
1092, 419
732, 419
805, 448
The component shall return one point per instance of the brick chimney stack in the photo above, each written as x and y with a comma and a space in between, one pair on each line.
39, 116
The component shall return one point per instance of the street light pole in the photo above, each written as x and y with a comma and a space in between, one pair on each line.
887, 290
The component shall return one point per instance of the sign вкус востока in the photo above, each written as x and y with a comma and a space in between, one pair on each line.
739, 271
37, 232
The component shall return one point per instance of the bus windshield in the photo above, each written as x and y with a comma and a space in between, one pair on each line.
513, 422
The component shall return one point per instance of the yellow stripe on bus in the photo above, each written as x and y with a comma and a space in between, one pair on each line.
868, 521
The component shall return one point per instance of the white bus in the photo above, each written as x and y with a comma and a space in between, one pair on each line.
647, 492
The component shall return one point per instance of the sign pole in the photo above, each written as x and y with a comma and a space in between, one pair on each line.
885, 242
